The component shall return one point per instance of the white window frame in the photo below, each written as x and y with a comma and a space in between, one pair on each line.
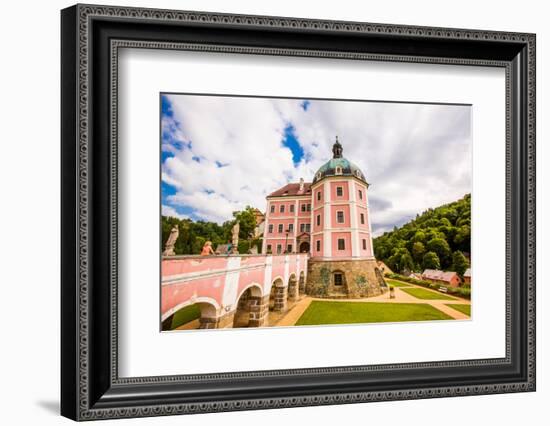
341, 188
338, 212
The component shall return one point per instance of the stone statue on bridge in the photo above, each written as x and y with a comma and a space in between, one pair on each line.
171, 242
235, 238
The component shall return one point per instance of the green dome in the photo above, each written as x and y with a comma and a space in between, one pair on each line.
338, 166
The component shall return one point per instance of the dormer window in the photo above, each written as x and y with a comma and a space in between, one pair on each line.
319, 175
358, 174
338, 170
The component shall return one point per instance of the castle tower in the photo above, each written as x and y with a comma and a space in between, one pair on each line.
342, 257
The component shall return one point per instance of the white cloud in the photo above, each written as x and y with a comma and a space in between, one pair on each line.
415, 156
171, 211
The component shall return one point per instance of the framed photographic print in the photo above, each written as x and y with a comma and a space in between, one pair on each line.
263, 212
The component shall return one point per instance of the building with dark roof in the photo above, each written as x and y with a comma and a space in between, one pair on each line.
328, 219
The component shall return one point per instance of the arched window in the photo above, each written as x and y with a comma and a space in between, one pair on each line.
338, 170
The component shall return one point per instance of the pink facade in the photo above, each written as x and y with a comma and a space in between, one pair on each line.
218, 281
334, 205
318, 196
339, 191
340, 216
341, 244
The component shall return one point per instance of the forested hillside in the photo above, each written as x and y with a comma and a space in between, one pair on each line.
438, 238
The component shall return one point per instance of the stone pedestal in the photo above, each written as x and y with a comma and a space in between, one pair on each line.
259, 311
360, 278
280, 297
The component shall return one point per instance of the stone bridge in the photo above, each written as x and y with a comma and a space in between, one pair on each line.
231, 291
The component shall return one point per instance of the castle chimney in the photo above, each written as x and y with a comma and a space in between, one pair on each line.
301, 184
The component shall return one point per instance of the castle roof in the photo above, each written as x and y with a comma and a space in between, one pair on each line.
292, 190
338, 166
435, 274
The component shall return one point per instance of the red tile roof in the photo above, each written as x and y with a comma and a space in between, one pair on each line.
434, 274
292, 190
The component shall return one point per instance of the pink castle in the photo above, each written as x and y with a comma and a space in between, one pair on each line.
328, 219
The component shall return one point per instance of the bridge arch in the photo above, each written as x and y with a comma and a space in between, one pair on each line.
278, 295
251, 307
195, 313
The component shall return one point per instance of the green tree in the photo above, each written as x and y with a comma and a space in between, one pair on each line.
418, 251
430, 261
406, 262
441, 247
460, 263
247, 222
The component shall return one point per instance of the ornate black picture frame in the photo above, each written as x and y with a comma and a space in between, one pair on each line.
91, 36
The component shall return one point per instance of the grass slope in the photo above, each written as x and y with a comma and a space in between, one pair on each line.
185, 315
421, 293
320, 312
465, 309
395, 283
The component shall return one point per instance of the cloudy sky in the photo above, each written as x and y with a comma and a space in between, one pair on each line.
220, 154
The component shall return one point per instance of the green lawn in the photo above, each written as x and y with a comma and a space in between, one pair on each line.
395, 283
185, 315
465, 309
320, 312
421, 293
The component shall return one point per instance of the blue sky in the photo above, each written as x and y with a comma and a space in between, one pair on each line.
220, 154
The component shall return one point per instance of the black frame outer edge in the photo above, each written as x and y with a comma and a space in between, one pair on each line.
105, 395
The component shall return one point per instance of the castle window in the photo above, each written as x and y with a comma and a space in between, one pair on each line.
302, 227
308, 207
341, 244
308, 227
292, 208
318, 195
280, 228
338, 170
291, 228
364, 244
303, 207
338, 278
289, 248
282, 208
272, 209
279, 249
362, 218
340, 216
339, 191
319, 175
268, 248
270, 229
318, 220
318, 245
358, 174
360, 194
